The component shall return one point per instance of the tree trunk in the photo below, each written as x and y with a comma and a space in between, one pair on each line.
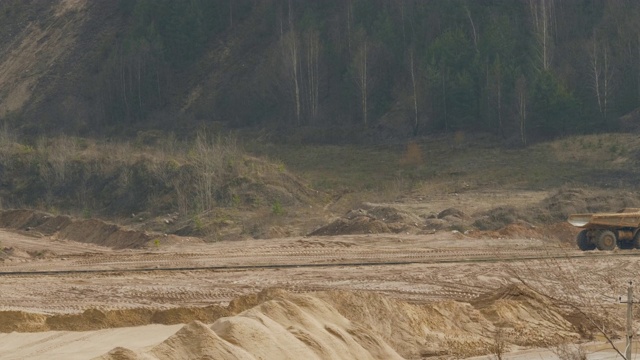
294, 65
364, 84
312, 71
521, 91
444, 100
416, 123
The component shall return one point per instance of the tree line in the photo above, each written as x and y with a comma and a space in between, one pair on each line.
525, 69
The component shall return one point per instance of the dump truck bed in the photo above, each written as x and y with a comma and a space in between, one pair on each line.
625, 218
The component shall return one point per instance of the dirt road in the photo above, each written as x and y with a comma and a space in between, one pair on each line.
69, 277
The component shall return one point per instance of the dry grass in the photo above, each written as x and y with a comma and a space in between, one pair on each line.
148, 181
194, 169
446, 164
160, 173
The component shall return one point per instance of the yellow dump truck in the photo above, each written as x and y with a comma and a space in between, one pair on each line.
605, 231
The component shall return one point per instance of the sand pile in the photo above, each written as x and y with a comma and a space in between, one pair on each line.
104, 234
447, 219
64, 227
275, 324
440, 328
29, 220
16, 253
299, 327
529, 318
371, 219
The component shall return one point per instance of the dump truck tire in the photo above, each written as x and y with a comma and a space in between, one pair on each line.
606, 240
583, 241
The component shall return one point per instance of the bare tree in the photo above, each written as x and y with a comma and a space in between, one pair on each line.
499, 346
521, 93
360, 65
569, 352
412, 68
349, 24
291, 60
541, 14
494, 85
601, 75
474, 32
312, 72
564, 284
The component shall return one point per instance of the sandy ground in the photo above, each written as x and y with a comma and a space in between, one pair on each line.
49, 276
419, 268
72, 345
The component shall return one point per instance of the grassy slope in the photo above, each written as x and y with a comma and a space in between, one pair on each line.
257, 198
449, 163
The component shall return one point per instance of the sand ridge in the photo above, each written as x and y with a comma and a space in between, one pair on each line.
358, 325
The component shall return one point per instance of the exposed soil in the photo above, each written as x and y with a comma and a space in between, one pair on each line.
64, 227
534, 215
397, 286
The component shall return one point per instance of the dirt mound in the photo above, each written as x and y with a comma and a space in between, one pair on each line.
562, 231
371, 219
565, 202
519, 229
555, 208
53, 224
14, 253
22, 219
436, 224
498, 217
104, 234
390, 214
358, 225
64, 227
451, 212
29, 220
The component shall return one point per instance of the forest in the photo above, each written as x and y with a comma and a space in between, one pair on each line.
338, 70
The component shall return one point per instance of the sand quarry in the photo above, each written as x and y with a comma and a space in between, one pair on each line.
372, 284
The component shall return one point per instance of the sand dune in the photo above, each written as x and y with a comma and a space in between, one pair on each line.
276, 324
299, 327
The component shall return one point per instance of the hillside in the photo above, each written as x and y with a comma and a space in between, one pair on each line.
219, 189
330, 71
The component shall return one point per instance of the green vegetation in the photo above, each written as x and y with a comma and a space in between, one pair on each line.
195, 189
340, 71
455, 163
109, 178
276, 208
